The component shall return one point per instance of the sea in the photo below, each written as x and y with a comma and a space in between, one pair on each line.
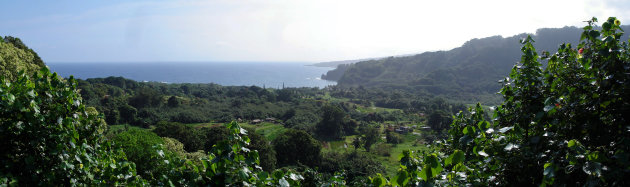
262, 74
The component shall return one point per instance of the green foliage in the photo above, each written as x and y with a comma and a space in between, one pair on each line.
371, 136
266, 152
335, 74
466, 74
196, 103
173, 101
20, 45
231, 163
174, 146
192, 139
136, 144
356, 142
564, 125
127, 114
16, 57
383, 149
439, 120
331, 125
355, 165
393, 137
48, 137
145, 97
295, 147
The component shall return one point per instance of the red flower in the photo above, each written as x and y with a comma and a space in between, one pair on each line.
581, 50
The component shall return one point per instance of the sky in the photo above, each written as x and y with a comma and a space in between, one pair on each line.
278, 30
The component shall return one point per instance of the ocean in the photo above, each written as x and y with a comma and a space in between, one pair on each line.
268, 74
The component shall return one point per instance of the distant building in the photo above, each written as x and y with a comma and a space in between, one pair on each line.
403, 129
273, 120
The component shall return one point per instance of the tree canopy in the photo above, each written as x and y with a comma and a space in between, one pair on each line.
16, 57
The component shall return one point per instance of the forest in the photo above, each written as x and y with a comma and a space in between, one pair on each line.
466, 74
560, 118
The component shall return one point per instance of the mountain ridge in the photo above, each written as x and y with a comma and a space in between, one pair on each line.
467, 73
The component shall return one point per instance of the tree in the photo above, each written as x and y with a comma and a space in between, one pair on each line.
213, 135
393, 138
173, 102
331, 125
266, 152
355, 164
350, 127
565, 125
127, 114
371, 136
285, 95
192, 139
137, 145
356, 142
145, 97
439, 120
231, 164
295, 147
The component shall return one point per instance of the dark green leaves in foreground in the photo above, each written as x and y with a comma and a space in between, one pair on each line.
567, 124
48, 137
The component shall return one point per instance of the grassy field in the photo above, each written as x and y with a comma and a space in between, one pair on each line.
114, 128
330, 98
268, 130
390, 162
371, 109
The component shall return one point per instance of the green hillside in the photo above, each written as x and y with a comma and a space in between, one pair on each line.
468, 73
16, 57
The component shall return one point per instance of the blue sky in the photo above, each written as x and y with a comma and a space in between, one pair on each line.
277, 30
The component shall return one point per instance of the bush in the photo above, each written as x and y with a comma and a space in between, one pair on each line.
47, 137
566, 125
393, 138
137, 145
383, 149
189, 116
294, 147
355, 164
192, 139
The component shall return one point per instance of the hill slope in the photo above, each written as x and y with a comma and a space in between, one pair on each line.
467, 73
16, 57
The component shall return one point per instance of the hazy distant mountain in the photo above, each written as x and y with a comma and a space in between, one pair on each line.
337, 63
466, 73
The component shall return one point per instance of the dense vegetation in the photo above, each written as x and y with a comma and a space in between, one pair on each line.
467, 73
49, 137
336, 73
566, 124
16, 57
560, 124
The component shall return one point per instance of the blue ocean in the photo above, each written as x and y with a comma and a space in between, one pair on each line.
268, 74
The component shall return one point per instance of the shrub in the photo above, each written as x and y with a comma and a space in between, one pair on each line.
137, 145
383, 149
393, 138
294, 147
47, 137
566, 125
